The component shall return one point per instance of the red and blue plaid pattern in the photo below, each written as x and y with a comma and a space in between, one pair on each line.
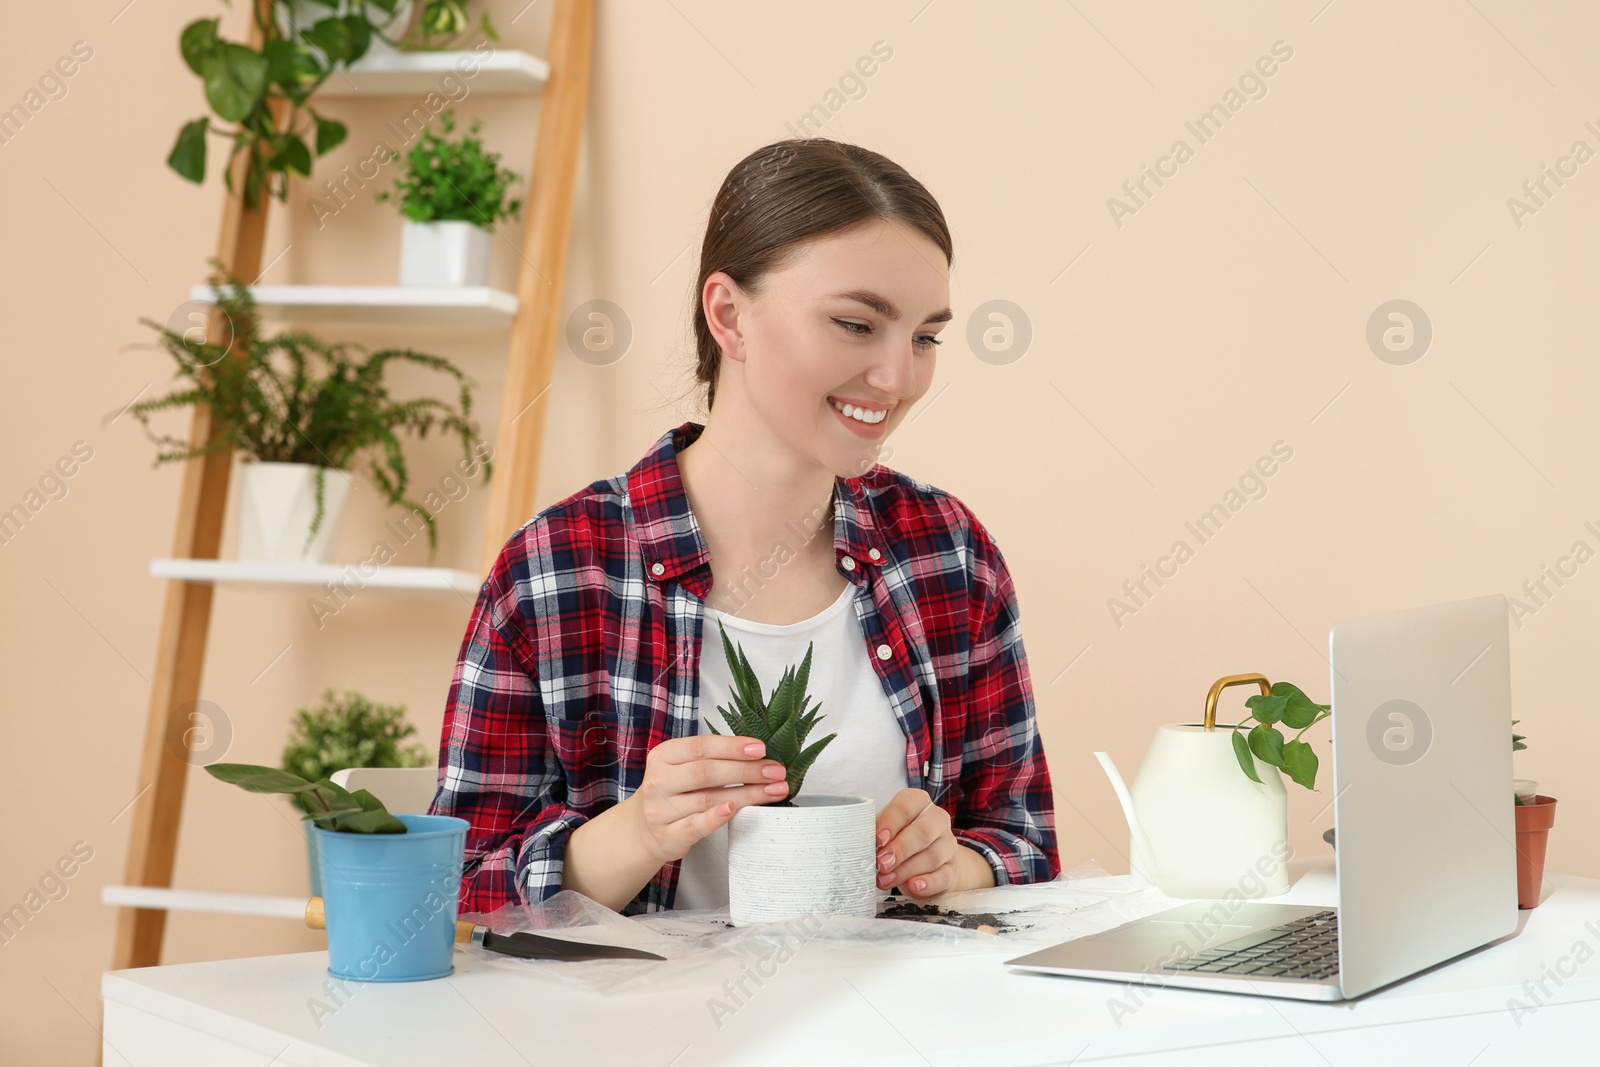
583, 652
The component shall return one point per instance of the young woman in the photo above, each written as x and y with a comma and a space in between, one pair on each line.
576, 739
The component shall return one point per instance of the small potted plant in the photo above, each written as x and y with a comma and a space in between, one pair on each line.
1535, 815
392, 882
347, 731
293, 421
451, 194
382, 23
802, 855
443, 24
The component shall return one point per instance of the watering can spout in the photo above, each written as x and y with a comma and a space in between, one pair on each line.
1121, 789
1142, 858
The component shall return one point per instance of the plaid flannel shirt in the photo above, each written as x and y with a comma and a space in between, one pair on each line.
583, 652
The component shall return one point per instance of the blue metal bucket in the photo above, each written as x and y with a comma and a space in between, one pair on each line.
390, 899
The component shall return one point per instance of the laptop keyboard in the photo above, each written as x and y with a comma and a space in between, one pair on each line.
1305, 948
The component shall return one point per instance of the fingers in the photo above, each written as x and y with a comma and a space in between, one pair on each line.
941, 879
921, 847
676, 768
692, 785
926, 873
708, 746
926, 823
900, 810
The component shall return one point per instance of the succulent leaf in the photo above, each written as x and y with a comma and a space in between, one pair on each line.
802, 763
782, 721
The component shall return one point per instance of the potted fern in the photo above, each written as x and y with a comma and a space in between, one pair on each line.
803, 855
293, 422
344, 731
451, 194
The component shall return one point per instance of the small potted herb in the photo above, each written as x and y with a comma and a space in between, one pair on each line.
345, 731
802, 855
451, 194
391, 882
1535, 815
295, 407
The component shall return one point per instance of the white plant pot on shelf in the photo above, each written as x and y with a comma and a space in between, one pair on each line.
276, 504
444, 253
306, 13
816, 858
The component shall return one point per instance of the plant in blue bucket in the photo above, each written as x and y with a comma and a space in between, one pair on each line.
345, 730
390, 883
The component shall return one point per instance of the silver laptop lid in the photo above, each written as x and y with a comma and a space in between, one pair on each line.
1422, 787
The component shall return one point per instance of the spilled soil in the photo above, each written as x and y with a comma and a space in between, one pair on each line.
933, 913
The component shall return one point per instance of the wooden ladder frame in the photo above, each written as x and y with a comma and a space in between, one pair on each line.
186, 612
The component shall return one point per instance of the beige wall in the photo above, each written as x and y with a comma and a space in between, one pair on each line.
1224, 314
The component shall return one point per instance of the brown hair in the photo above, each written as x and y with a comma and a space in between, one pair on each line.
790, 192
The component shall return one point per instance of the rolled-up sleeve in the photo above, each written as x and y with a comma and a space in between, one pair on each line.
498, 769
1006, 810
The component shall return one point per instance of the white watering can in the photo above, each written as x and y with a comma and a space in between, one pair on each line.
1199, 827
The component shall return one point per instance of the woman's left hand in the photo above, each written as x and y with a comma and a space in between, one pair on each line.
916, 849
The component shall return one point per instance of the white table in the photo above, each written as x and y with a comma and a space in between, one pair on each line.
947, 1011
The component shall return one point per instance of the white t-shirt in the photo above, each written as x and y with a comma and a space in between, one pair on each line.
868, 758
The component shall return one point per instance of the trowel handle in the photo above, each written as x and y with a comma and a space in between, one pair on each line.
317, 919
1222, 683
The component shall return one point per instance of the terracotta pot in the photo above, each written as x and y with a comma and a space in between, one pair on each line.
1533, 832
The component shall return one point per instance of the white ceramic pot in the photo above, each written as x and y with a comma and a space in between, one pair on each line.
444, 253
276, 504
815, 858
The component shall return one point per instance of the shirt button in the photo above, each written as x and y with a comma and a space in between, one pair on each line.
874, 553
884, 652
924, 768
657, 569
847, 563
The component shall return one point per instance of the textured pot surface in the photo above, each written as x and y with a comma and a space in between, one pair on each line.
815, 858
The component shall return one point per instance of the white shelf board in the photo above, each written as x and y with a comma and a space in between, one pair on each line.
504, 70
346, 575
399, 305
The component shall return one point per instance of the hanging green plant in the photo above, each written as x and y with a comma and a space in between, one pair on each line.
264, 93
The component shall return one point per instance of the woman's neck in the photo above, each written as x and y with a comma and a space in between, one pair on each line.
749, 499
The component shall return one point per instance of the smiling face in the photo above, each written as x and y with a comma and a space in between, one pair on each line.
839, 344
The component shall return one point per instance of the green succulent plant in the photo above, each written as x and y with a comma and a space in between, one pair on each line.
782, 721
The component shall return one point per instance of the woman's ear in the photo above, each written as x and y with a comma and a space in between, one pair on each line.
723, 300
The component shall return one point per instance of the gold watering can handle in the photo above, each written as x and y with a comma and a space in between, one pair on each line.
1222, 683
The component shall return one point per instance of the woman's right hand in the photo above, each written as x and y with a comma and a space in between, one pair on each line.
685, 796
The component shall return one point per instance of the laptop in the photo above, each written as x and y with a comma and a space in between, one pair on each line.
1424, 830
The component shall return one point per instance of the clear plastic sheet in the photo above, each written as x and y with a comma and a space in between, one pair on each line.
701, 946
